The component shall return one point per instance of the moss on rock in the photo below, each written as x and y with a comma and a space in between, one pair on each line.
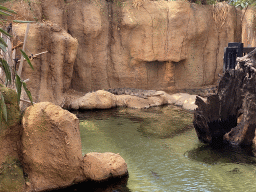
11, 176
13, 111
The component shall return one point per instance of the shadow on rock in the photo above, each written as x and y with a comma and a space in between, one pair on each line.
226, 154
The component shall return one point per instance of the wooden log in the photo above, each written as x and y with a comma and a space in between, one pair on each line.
216, 120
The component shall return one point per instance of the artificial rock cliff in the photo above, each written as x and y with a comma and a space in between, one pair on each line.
161, 45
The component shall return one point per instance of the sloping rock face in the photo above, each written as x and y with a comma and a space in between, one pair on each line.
53, 71
11, 174
52, 153
161, 45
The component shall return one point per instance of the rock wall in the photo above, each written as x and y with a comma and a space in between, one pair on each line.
249, 27
53, 71
162, 45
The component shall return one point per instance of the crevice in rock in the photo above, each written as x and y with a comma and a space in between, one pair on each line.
152, 28
167, 30
111, 40
204, 64
216, 58
186, 35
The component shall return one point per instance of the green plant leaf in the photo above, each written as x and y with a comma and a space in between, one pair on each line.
3, 42
6, 71
4, 32
20, 21
3, 47
6, 9
4, 13
3, 107
27, 59
18, 85
27, 92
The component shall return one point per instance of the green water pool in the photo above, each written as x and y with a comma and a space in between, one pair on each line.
163, 153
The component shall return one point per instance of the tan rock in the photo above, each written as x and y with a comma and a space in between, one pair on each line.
132, 101
53, 71
101, 166
52, 152
248, 27
95, 100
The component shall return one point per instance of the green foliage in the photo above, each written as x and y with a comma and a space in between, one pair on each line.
9, 74
3, 107
243, 3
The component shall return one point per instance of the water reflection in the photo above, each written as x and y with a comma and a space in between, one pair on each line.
153, 143
226, 154
111, 185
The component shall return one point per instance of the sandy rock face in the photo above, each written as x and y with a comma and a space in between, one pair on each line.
96, 45
151, 47
101, 166
53, 71
51, 147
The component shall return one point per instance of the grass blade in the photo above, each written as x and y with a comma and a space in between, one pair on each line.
27, 59
3, 42
6, 71
27, 92
4, 32
3, 108
3, 47
18, 85
6, 9
4, 13
20, 21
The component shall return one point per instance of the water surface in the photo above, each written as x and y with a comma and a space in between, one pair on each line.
163, 153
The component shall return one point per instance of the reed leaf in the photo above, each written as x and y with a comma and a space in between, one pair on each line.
4, 32
27, 92
27, 59
7, 71
3, 107
18, 84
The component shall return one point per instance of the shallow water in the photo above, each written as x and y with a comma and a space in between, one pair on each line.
163, 153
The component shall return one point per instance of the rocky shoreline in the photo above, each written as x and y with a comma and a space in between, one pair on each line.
137, 99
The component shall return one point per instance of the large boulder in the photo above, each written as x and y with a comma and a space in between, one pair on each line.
52, 152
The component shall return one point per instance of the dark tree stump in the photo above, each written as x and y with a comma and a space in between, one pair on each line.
215, 120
